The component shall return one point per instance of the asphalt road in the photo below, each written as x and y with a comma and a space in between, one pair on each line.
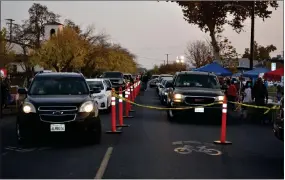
146, 149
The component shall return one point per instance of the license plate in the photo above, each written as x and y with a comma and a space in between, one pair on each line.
57, 127
199, 110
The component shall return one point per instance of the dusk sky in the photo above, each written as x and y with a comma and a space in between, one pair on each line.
148, 29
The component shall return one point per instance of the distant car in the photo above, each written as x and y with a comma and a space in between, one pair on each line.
128, 78
104, 97
159, 85
192, 89
165, 91
116, 78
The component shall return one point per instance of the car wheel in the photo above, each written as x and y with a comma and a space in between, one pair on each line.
171, 115
23, 136
94, 133
109, 108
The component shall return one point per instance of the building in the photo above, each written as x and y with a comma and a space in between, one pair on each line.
18, 66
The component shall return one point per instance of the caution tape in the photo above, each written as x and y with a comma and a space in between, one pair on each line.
268, 109
162, 108
255, 106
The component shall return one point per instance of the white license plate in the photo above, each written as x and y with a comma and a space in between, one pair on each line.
199, 110
57, 127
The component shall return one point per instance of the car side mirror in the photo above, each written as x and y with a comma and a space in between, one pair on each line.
109, 89
96, 90
22, 91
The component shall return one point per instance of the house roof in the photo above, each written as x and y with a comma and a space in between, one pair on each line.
53, 23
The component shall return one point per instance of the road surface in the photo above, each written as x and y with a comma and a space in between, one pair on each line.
151, 147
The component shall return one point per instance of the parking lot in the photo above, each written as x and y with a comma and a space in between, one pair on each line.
150, 148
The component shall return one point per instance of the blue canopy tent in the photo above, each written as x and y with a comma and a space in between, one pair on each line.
255, 72
214, 68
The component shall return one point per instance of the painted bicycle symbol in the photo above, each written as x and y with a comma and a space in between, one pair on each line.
199, 147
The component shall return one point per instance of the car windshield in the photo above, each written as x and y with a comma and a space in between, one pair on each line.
93, 84
167, 78
112, 75
196, 80
58, 86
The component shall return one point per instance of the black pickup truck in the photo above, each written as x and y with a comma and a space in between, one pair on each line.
194, 89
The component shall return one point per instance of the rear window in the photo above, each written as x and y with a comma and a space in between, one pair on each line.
93, 84
112, 75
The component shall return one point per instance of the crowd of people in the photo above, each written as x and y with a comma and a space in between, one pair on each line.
248, 93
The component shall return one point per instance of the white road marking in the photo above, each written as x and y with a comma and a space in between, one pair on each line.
104, 163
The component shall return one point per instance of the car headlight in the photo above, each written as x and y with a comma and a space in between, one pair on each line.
86, 107
165, 93
28, 108
178, 96
100, 96
220, 98
121, 82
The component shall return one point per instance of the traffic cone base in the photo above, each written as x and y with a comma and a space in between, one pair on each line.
128, 116
114, 132
222, 143
123, 125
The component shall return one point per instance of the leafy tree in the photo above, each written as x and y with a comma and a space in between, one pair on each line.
63, 52
211, 16
6, 52
260, 52
171, 68
33, 28
199, 53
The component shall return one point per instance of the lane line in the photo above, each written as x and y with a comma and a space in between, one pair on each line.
104, 163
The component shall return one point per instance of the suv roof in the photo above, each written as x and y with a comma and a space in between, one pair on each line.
64, 74
195, 72
165, 75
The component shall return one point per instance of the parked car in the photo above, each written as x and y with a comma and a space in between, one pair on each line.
104, 97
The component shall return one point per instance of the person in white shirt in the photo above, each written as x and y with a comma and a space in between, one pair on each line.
247, 98
247, 93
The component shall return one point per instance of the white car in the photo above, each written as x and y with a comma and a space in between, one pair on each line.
104, 97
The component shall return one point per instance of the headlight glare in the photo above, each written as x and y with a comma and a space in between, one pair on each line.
86, 107
177, 96
219, 98
28, 108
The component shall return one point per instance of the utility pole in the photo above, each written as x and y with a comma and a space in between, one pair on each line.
10, 23
167, 58
252, 35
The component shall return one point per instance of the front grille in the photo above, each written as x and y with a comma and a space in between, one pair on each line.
199, 100
57, 113
64, 118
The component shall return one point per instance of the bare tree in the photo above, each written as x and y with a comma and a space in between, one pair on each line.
199, 53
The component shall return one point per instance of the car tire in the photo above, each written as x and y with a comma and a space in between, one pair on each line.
94, 132
108, 110
170, 115
24, 137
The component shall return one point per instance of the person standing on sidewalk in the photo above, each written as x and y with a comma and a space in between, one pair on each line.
260, 96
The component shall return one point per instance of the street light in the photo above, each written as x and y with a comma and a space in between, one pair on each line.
180, 59
252, 12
